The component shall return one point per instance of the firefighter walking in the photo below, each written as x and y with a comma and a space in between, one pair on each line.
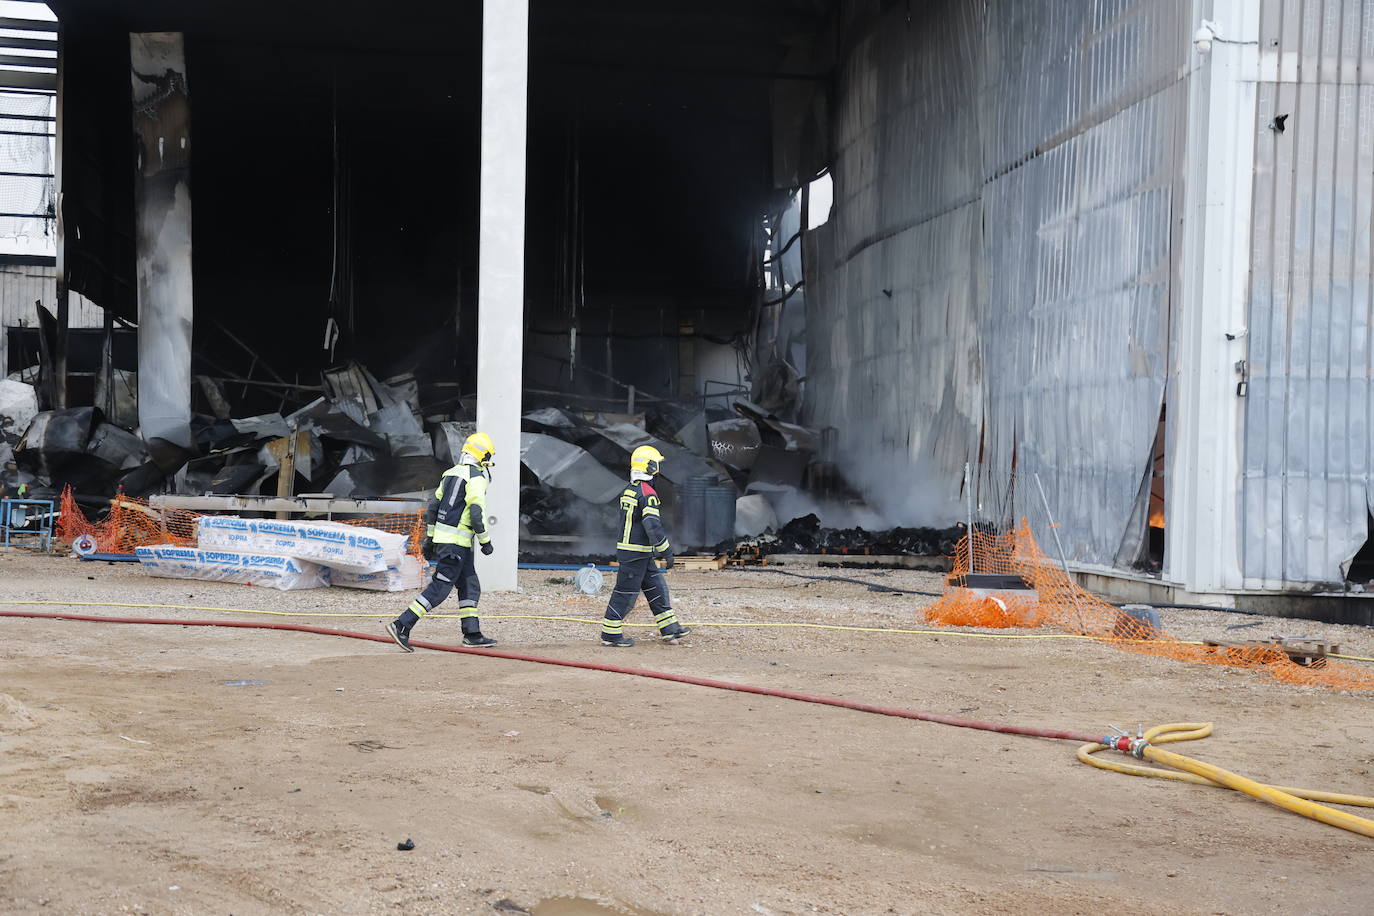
457, 519
641, 539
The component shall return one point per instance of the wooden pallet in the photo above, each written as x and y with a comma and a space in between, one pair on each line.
1311, 653
700, 562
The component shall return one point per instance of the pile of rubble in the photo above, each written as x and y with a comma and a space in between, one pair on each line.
807, 535
729, 474
730, 461
362, 438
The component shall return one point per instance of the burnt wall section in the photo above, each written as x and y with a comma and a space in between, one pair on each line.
25, 281
995, 282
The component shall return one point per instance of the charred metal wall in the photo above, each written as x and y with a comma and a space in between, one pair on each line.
1309, 411
995, 281
23, 284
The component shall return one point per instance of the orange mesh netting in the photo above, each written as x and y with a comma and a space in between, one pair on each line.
134, 523
1059, 601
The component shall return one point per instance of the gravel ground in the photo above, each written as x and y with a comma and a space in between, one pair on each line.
723, 596
139, 773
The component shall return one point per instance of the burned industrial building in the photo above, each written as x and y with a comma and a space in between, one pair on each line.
587, 227
743, 456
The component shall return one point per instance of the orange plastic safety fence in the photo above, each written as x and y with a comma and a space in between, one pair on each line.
133, 523
1060, 602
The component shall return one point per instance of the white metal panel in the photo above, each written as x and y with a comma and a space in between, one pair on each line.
1202, 549
1307, 461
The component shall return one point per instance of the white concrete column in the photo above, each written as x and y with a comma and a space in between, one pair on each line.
1204, 477
162, 207
501, 273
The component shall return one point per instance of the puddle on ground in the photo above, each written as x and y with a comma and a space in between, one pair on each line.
607, 807
585, 906
612, 806
574, 815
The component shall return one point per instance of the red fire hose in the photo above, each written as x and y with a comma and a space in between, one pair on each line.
596, 666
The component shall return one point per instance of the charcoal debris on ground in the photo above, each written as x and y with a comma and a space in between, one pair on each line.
806, 535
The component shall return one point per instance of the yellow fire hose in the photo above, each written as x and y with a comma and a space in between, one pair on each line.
1186, 769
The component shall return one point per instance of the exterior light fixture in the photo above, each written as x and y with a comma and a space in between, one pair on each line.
1204, 36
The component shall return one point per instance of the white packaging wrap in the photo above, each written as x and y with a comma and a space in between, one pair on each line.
404, 577
170, 561
350, 548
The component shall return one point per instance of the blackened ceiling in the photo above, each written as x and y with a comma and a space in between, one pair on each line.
301, 112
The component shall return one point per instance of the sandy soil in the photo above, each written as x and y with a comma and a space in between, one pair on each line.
139, 775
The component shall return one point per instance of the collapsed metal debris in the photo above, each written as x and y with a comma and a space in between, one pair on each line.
730, 473
77, 446
561, 464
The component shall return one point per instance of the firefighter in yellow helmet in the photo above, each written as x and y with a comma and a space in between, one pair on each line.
641, 538
457, 517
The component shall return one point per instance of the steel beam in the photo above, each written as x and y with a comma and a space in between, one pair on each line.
62, 291
30, 44
26, 25
28, 79
313, 504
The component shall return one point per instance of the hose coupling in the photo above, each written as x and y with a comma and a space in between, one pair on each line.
1123, 742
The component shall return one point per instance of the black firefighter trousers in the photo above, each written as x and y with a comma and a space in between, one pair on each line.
638, 572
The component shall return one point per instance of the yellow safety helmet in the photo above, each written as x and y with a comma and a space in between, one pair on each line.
645, 459
480, 447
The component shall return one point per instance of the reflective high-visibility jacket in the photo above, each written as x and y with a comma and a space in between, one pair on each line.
641, 529
460, 506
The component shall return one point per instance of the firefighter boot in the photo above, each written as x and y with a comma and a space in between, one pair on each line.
673, 632
399, 629
472, 633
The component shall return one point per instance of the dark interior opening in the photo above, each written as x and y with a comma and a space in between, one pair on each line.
335, 174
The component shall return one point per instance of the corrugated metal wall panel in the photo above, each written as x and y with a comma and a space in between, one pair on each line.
1076, 321
1306, 498
1001, 255
891, 316
20, 286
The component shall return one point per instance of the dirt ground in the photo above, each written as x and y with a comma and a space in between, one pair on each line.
197, 770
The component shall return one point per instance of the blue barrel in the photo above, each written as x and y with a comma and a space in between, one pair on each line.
691, 512
720, 513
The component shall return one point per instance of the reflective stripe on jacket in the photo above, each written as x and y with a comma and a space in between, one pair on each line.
641, 528
460, 513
